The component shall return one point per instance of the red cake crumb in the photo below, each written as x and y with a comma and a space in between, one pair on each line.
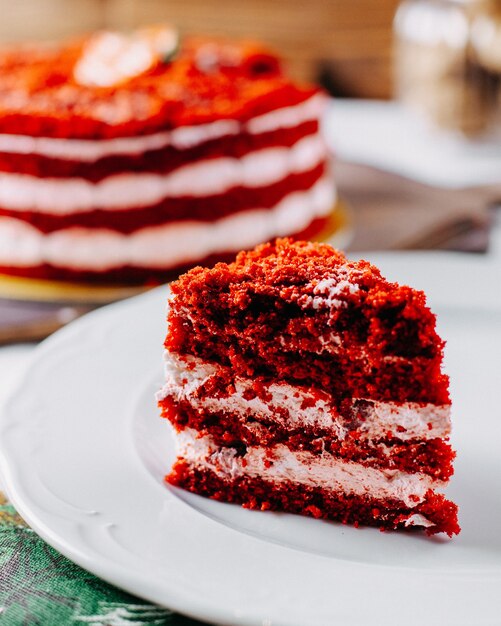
251, 315
40, 96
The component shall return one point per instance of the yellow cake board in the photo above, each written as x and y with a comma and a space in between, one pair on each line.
20, 288
337, 232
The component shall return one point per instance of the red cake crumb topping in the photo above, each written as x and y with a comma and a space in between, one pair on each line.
303, 312
40, 96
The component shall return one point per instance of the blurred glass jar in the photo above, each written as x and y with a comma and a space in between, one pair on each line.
448, 61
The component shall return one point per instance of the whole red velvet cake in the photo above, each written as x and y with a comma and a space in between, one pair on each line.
132, 157
297, 380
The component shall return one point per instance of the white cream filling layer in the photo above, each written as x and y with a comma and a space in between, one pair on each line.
21, 245
278, 464
180, 138
19, 192
295, 407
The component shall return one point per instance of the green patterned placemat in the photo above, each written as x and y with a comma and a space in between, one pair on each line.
40, 587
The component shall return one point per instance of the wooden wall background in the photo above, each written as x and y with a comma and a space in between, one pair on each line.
346, 43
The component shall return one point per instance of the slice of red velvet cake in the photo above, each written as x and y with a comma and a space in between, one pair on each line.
297, 380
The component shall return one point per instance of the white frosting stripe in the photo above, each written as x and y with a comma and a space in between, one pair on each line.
89, 150
167, 245
180, 138
19, 192
278, 464
288, 117
405, 421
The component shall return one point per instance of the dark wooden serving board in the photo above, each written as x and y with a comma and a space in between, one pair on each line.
391, 212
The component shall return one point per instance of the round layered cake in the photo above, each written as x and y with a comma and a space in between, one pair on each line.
128, 158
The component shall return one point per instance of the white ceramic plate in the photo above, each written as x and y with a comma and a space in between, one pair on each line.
83, 452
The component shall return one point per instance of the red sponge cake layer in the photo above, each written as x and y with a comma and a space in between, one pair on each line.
306, 315
434, 512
